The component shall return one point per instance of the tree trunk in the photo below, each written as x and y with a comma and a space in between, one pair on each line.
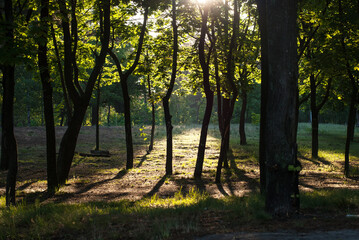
242, 120
97, 147
262, 23
8, 141
80, 99
209, 95
126, 98
280, 110
47, 100
350, 130
128, 127
169, 136
153, 114
313, 107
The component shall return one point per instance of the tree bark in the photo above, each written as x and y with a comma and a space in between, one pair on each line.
47, 100
280, 109
209, 95
8, 141
262, 23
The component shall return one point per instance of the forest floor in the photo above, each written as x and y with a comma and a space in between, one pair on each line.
104, 179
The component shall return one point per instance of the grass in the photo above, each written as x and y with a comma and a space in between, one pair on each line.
154, 217
186, 212
150, 218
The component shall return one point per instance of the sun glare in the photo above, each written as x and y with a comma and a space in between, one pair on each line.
201, 1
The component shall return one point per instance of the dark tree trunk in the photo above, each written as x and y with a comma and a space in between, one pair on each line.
350, 129
242, 120
262, 23
280, 110
169, 136
153, 114
228, 104
8, 141
79, 98
209, 95
47, 99
166, 99
128, 127
93, 114
124, 86
97, 147
67, 107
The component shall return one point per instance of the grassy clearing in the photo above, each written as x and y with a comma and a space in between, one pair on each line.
168, 206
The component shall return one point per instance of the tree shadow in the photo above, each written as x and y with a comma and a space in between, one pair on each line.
143, 158
253, 184
156, 188
221, 189
316, 161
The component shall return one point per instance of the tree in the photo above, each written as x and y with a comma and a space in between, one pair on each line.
166, 98
47, 97
79, 97
280, 66
124, 75
8, 141
204, 62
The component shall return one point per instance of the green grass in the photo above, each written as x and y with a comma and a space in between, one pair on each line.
150, 218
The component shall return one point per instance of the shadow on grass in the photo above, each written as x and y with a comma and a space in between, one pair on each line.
156, 188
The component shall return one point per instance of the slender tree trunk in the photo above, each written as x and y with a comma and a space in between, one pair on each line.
242, 120
47, 100
126, 98
209, 96
97, 148
313, 107
350, 130
153, 114
128, 127
166, 99
280, 110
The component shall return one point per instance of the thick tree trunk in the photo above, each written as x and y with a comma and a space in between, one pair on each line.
68, 144
47, 99
242, 120
262, 23
280, 110
8, 141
